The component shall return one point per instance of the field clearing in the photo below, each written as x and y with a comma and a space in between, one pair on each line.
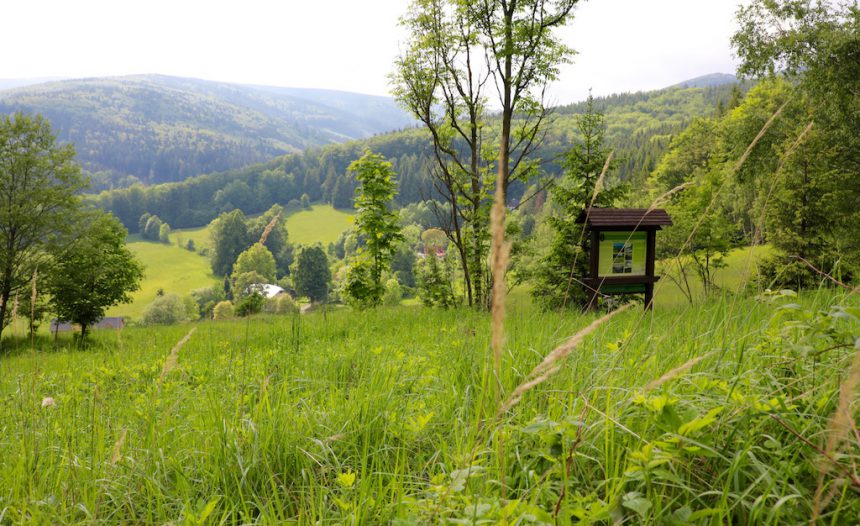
167, 267
322, 223
390, 414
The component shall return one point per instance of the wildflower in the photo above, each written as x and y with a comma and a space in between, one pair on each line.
346, 479
48, 402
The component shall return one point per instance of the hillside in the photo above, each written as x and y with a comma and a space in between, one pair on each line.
177, 270
156, 128
639, 128
168, 268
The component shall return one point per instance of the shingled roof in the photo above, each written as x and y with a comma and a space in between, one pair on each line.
625, 217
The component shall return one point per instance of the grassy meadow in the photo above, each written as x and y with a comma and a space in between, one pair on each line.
716, 414
166, 267
322, 223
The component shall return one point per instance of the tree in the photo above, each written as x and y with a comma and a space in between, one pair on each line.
152, 229
94, 273
311, 274
230, 238
276, 238
577, 189
440, 79
376, 223
39, 203
457, 47
164, 233
434, 283
816, 44
256, 259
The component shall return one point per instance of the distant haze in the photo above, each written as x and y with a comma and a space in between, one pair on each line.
623, 45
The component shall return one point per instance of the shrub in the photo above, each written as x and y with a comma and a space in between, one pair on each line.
434, 283
393, 293
223, 311
250, 304
165, 310
207, 298
281, 304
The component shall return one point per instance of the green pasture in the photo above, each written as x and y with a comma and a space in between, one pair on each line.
168, 268
394, 415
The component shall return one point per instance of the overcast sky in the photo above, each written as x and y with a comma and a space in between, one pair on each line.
622, 45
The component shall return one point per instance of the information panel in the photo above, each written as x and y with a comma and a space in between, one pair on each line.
622, 253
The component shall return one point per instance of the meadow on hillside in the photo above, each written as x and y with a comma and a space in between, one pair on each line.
172, 269
706, 415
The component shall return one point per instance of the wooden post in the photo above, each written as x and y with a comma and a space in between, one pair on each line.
593, 270
650, 256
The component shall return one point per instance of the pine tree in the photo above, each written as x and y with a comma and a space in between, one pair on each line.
556, 280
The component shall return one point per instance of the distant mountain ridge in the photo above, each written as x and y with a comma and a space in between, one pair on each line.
158, 128
707, 81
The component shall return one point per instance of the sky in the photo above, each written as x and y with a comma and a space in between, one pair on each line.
622, 45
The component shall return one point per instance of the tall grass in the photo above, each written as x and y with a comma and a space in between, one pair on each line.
372, 417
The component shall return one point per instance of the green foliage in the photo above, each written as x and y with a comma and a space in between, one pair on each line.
378, 226
281, 304
93, 274
206, 299
152, 228
250, 304
817, 189
242, 284
223, 310
434, 283
393, 293
256, 259
311, 275
556, 278
358, 287
230, 238
40, 208
164, 233
168, 309
174, 128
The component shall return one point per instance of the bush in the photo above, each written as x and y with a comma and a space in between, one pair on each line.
434, 283
165, 310
281, 304
250, 304
206, 299
359, 289
393, 293
223, 311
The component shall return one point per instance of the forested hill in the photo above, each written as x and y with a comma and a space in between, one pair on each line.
155, 128
639, 128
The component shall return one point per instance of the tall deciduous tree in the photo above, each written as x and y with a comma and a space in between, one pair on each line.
441, 78
256, 259
457, 47
94, 273
311, 274
39, 183
229, 239
376, 223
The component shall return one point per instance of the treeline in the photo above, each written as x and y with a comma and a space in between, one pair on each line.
639, 128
